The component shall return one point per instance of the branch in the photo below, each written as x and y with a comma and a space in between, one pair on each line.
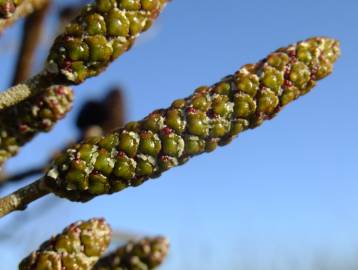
20, 176
116, 110
20, 199
22, 10
20, 92
31, 37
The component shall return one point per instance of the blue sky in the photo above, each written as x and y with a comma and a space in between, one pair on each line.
283, 195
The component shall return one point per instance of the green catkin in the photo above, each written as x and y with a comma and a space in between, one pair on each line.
211, 117
8, 7
102, 32
146, 254
19, 124
78, 247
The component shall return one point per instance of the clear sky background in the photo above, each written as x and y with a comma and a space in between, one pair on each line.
283, 196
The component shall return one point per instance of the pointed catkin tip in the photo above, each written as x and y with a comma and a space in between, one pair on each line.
212, 116
78, 247
317, 51
148, 253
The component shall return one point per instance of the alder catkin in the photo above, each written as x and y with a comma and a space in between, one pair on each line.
102, 32
210, 117
146, 254
78, 247
20, 123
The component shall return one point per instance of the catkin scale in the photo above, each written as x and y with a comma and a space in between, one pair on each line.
102, 32
78, 247
211, 117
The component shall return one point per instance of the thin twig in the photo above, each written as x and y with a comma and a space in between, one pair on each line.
115, 105
30, 39
20, 92
26, 8
20, 176
21, 198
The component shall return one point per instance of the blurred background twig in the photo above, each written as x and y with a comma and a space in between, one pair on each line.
31, 37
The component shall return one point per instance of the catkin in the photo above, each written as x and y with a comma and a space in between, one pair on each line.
146, 254
102, 32
211, 117
78, 247
20, 123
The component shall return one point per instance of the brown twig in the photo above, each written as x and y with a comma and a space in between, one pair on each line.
21, 198
26, 8
116, 110
20, 92
108, 113
20, 176
30, 39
